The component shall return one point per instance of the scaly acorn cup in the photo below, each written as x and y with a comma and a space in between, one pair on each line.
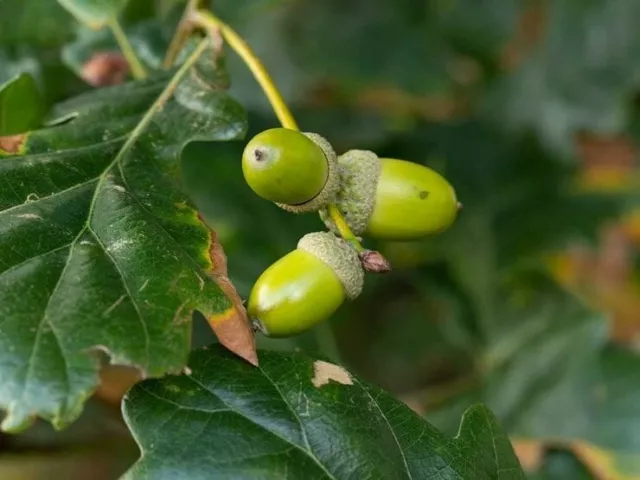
298, 171
392, 199
306, 286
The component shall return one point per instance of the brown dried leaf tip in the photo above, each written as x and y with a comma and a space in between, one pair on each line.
105, 68
374, 262
232, 327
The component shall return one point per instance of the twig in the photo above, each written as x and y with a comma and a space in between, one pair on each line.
185, 26
343, 228
211, 23
137, 70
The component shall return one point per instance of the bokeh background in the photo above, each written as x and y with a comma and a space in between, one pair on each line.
530, 303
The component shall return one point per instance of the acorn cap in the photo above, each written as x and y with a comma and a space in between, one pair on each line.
359, 174
328, 193
339, 256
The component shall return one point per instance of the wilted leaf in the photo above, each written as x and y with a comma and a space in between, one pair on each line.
21, 107
99, 247
274, 422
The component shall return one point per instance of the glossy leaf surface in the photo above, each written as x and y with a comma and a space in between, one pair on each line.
299, 417
94, 13
21, 107
99, 247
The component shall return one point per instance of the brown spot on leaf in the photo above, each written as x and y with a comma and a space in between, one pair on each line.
323, 372
105, 68
232, 327
12, 143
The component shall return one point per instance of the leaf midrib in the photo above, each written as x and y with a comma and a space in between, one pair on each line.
131, 138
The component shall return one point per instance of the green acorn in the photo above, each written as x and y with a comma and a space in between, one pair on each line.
296, 170
306, 286
392, 199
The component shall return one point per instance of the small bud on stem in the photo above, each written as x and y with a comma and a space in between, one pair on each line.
374, 262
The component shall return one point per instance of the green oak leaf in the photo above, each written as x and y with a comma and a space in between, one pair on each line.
518, 198
298, 417
580, 75
94, 13
150, 40
21, 107
53, 80
147, 41
33, 22
100, 249
552, 376
254, 233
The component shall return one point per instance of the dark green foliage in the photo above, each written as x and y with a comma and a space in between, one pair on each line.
105, 237
237, 421
95, 233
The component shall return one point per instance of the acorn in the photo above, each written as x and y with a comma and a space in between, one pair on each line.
298, 171
306, 286
392, 199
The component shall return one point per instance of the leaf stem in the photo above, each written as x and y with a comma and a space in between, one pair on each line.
148, 116
137, 70
210, 22
343, 227
185, 26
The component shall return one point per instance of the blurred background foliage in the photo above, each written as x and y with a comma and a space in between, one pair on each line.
530, 303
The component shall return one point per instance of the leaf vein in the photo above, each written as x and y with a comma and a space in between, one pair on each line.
145, 331
59, 192
237, 412
393, 433
299, 420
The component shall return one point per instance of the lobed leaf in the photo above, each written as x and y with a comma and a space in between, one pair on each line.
21, 107
33, 22
100, 249
298, 417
